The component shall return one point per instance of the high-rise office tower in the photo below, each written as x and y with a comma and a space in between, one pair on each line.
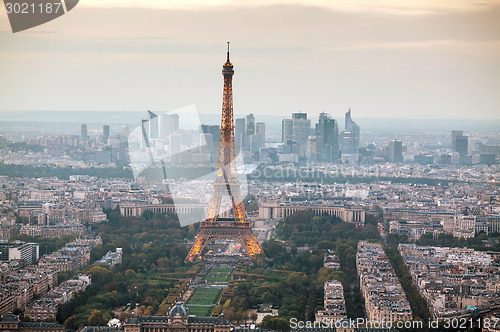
250, 127
299, 116
152, 125
459, 142
260, 129
395, 153
295, 132
313, 148
214, 130
167, 124
462, 145
454, 134
286, 130
350, 136
105, 134
258, 140
124, 135
123, 151
299, 127
83, 132
327, 131
240, 133
250, 124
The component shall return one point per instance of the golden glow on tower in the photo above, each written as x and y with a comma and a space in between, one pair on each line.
226, 182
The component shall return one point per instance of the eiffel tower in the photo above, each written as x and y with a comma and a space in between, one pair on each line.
214, 227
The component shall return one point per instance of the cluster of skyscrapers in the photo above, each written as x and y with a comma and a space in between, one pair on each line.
322, 143
301, 141
249, 135
162, 135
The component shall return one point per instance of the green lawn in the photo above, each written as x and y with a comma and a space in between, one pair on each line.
200, 310
218, 274
203, 300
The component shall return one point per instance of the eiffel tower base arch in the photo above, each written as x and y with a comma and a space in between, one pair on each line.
209, 234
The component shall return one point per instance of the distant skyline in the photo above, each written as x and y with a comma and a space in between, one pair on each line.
405, 59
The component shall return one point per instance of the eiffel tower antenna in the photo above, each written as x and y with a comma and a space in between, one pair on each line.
216, 227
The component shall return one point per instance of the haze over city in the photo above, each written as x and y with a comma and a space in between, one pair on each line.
393, 59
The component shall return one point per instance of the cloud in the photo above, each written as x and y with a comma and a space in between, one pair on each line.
287, 57
399, 7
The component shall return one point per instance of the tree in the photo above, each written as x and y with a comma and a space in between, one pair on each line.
71, 323
123, 316
245, 316
275, 323
229, 314
97, 318
253, 317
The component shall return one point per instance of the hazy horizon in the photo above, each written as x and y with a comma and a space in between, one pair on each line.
405, 59
69, 121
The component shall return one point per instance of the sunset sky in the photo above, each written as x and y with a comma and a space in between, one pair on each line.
381, 58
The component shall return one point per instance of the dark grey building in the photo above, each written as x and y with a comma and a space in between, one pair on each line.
395, 153
83, 132
328, 132
105, 134
459, 142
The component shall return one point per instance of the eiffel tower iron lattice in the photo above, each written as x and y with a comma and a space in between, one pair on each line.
215, 227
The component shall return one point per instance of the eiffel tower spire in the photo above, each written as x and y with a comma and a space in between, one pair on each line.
215, 227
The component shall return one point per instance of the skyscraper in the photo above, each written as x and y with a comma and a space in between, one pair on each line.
250, 124
258, 140
167, 124
250, 130
214, 130
152, 125
124, 135
328, 137
105, 134
454, 134
260, 129
395, 151
296, 131
301, 127
123, 150
350, 136
313, 148
240, 133
286, 130
299, 116
83, 132
459, 142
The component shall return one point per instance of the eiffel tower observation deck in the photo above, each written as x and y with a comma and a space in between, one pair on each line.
226, 184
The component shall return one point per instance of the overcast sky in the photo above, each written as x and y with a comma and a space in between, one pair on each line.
381, 58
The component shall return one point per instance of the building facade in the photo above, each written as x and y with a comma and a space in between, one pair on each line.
177, 320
